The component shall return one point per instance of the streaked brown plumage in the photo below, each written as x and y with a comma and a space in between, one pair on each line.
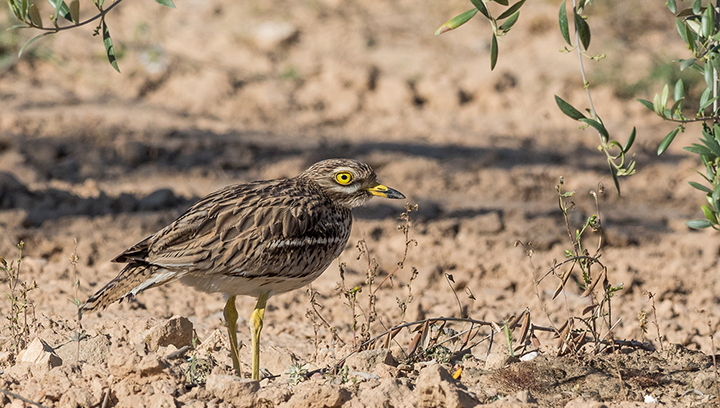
256, 239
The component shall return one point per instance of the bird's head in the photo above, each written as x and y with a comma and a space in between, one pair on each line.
348, 182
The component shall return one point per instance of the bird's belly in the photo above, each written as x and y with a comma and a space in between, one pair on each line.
234, 285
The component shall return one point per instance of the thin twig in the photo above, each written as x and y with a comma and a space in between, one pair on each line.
21, 398
57, 29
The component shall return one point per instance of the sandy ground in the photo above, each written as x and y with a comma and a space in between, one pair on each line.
214, 93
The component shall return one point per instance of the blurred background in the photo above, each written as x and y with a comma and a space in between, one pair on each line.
217, 92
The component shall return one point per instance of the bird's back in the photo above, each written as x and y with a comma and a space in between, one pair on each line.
270, 236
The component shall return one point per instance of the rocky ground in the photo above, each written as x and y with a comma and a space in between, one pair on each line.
213, 93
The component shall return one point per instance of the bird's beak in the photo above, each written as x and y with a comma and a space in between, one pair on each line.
384, 191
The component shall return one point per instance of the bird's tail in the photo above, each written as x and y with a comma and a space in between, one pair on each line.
133, 279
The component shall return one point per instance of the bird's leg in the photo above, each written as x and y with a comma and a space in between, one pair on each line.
257, 325
231, 316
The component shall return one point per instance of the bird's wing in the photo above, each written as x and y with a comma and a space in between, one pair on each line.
220, 232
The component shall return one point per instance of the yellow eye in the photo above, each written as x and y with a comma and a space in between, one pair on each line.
344, 177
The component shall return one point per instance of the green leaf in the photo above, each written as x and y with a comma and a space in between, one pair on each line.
697, 7
658, 107
709, 214
708, 22
667, 140
699, 149
503, 2
510, 22
700, 187
34, 15
686, 63
75, 11
480, 5
630, 141
704, 98
676, 108
583, 30
16, 10
493, 52
698, 224
646, 103
568, 109
456, 21
664, 97
714, 60
32, 40
166, 3
563, 20
679, 90
685, 13
598, 126
671, 6
708, 74
61, 9
682, 29
109, 49
613, 171
708, 103
511, 10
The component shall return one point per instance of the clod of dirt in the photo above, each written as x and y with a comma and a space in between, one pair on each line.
389, 392
271, 35
93, 350
278, 359
314, 395
177, 331
436, 388
496, 361
368, 360
40, 354
239, 392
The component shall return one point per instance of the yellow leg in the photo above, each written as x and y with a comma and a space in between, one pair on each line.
231, 316
255, 329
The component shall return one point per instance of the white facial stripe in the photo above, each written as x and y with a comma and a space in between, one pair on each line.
349, 189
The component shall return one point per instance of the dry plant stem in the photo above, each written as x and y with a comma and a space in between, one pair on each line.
712, 347
21, 398
457, 299
79, 332
655, 321
400, 265
313, 305
106, 398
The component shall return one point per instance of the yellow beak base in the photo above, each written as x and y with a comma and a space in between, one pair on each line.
385, 191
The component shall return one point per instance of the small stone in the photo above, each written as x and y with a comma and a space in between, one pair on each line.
150, 365
390, 393
212, 343
704, 382
271, 35
496, 361
277, 360
232, 389
314, 395
177, 331
367, 360
40, 353
436, 388
386, 371
93, 350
